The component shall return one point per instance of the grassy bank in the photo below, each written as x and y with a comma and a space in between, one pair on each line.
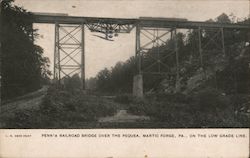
206, 108
62, 108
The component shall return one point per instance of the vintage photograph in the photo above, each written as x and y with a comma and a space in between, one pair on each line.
115, 64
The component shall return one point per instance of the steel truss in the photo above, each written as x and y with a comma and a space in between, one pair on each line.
69, 52
150, 41
211, 40
109, 28
152, 52
147, 40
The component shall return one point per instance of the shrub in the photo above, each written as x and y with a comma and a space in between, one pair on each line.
61, 105
172, 97
137, 109
210, 108
28, 119
210, 99
124, 99
73, 83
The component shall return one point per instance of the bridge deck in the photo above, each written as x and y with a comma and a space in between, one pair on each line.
157, 23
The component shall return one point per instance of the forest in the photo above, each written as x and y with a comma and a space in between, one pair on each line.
232, 78
23, 67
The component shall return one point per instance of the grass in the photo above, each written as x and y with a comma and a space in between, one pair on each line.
62, 108
206, 108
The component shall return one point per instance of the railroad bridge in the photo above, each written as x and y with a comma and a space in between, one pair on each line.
69, 48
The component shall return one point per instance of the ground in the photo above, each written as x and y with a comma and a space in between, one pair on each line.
123, 116
32, 101
58, 108
28, 101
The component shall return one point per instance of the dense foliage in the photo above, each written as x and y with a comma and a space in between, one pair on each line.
233, 77
23, 66
206, 108
216, 101
63, 107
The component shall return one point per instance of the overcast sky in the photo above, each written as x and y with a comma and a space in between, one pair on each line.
101, 53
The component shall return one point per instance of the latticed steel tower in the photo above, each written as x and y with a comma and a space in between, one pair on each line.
69, 52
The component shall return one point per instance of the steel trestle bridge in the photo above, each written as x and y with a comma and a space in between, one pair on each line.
69, 49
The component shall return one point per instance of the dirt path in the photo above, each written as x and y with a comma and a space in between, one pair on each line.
123, 116
28, 101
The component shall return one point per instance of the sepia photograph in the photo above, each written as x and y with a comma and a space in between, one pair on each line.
125, 64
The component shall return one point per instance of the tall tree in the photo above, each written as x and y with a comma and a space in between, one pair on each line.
23, 64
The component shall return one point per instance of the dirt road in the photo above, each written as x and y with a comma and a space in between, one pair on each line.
28, 101
123, 116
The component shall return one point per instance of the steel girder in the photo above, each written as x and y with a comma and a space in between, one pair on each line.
153, 22
106, 28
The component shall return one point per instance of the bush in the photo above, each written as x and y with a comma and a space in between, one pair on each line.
124, 99
210, 99
159, 110
53, 103
172, 97
96, 107
137, 109
28, 119
61, 105
73, 83
210, 108
206, 108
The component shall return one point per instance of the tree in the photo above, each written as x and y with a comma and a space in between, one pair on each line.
223, 18
73, 83
23, 64
103, 80
120, 77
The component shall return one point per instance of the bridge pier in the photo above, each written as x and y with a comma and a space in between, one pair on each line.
138, 79
138, 86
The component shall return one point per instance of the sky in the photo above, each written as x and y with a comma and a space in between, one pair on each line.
101, 53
